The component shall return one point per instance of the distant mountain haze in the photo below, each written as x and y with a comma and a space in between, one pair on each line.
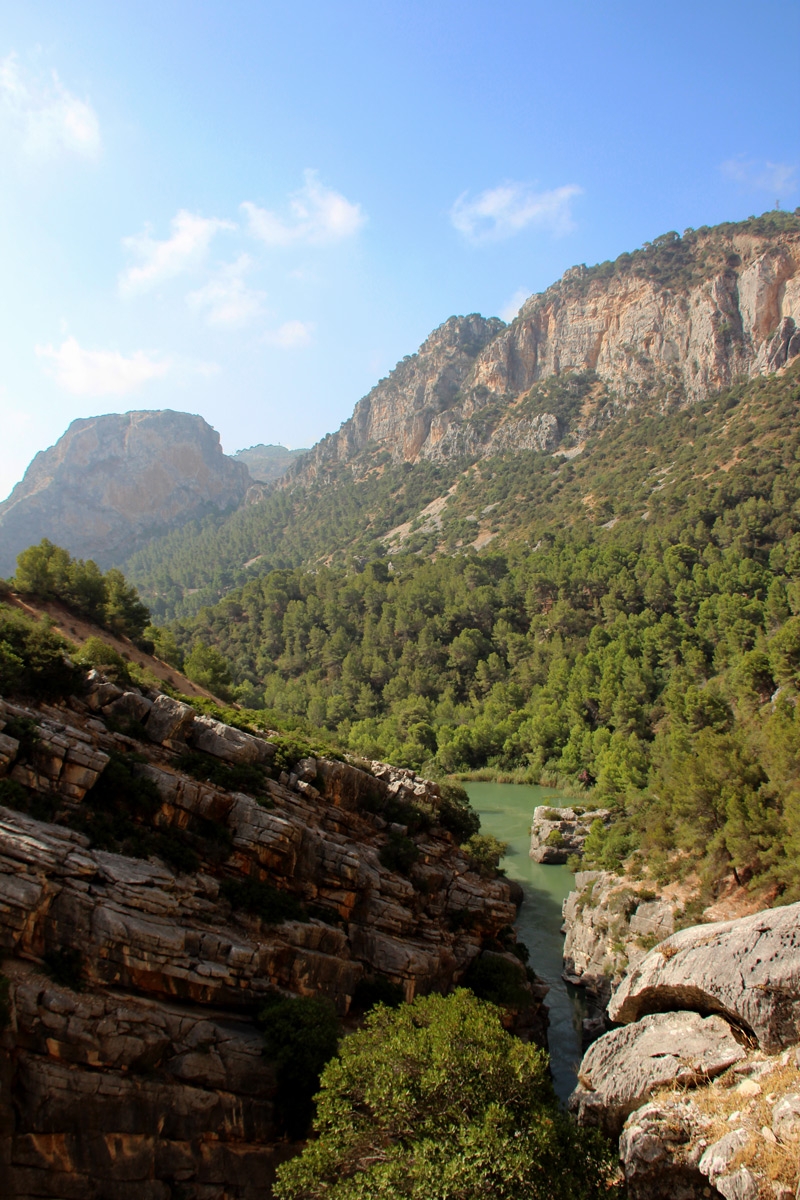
267, 463
112, 482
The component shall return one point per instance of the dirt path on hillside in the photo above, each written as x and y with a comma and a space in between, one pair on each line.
78, 629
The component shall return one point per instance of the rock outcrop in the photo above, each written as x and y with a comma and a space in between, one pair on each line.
113, 481
626, 1066
735, 1132
747, 970
610, 922
556, 833
131, 1063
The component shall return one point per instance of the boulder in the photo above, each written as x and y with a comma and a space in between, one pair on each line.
748, 970
131, 705
232, 745
556, 833
623, 1068
169, 720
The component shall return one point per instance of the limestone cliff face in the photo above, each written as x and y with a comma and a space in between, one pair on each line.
145, 1077
114, 480
397, 415
667, 324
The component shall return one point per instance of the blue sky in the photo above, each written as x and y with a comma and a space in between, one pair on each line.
253, 210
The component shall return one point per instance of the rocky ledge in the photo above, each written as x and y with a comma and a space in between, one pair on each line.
131, 1064
701, 1081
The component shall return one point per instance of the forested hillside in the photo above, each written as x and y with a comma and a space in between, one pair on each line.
640, 631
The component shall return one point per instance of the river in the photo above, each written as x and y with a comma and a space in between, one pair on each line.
506, 810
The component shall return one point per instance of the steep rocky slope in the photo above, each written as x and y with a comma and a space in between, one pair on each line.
131, 1062
680, 318
113, 481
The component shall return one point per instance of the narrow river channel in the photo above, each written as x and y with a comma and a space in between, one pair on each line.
506, 810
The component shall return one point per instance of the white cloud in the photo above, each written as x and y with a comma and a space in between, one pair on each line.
44, 117
514, 304
318, 216
291, 335
503, 211
185, 248
779, 179
99, 372
226, 298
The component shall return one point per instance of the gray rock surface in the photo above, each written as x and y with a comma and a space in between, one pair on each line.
232, 745
169, 720
748, 970
609, 923
626, 1066
464, 391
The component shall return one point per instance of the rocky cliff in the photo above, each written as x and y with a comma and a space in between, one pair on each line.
666, 324
131, 1061
113, 481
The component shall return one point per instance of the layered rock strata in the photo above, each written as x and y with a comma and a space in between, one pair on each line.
144, 1077
610, 923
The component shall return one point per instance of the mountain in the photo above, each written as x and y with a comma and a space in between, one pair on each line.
112, 482
267, 463
654, 332
673, 321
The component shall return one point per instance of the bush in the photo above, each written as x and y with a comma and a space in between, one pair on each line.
96, 653
456, 813
34, 659
399, 853
262, 900
485, 852
300, 1036
435, 1099
376, 989
494, 978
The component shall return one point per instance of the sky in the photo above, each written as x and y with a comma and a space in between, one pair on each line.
253, 210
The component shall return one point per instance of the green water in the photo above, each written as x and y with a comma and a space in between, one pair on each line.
506, 810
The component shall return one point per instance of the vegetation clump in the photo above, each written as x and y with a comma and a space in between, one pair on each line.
262, 900
51, 573
300, 1036
434, 1098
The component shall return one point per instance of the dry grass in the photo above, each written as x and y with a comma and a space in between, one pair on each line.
727, 1108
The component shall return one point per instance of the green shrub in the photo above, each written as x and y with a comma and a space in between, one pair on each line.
399, 853
34, 659
262, 900
435, 1099
554, 838
99, 654
456, 813
300, 1035
499, 981
485, 852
